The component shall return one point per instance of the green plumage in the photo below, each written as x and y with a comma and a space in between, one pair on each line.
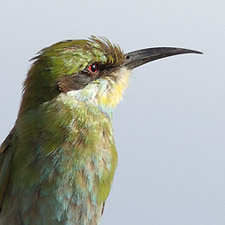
63, 152
58, 162
65, 160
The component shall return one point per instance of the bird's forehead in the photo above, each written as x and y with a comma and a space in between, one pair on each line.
71, 56
95, 50
81, 56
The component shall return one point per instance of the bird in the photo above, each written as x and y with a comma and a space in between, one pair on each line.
58, 162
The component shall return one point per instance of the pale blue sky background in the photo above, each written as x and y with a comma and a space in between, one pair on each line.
170, 127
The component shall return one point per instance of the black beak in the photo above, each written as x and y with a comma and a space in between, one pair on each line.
140, 57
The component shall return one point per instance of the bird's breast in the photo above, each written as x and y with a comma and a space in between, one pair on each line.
85, 162
63, 167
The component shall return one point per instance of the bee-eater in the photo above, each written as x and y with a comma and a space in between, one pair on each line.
58, 162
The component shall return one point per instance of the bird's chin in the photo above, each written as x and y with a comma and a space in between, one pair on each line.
106, 91
117, 82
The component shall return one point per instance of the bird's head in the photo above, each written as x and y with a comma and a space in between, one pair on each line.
90, 70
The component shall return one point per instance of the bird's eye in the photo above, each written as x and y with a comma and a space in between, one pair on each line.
93, 68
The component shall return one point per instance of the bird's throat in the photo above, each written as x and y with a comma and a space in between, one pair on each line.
105, 93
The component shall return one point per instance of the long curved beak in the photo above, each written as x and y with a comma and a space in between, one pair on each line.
140, 57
